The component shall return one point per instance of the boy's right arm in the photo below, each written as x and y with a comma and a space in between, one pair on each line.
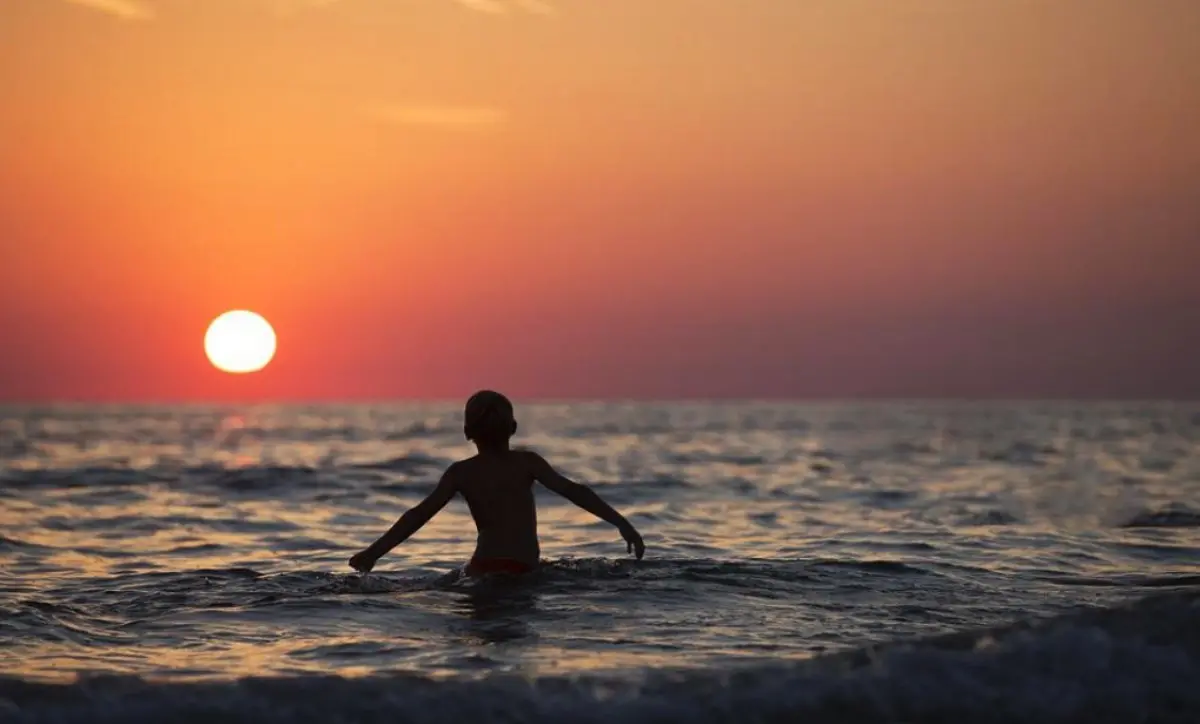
585, 498
409, 523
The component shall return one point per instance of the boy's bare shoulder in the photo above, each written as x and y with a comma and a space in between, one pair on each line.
532, 458
485, 465
467, 468
459, 468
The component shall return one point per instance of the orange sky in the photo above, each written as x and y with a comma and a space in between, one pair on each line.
601, 197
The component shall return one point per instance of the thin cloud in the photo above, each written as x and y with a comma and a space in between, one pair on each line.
295, 6
122, 9
501, 7
495, 7
443, 116
538, 7
141, 9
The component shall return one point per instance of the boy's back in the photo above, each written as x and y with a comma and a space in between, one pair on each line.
498, 488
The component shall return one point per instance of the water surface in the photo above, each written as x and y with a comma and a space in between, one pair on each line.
181, 549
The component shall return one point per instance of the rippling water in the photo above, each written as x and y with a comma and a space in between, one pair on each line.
151, 558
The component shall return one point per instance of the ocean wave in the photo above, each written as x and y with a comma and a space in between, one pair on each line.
1183, 580
1022, 453
232, 478
265, 477
988, 518
80, 477
197, 425
7, 543
420, 430
404, 476
1175, 515
240, 585
414, 462
340, 433
15, 447
135, 595
1136, 662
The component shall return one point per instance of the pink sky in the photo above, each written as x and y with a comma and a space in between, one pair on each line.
684, 198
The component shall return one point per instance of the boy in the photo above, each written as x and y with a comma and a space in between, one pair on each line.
497, 484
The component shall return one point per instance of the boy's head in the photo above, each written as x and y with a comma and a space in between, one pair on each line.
488, 418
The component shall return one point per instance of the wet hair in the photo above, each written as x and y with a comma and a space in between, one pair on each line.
488, 418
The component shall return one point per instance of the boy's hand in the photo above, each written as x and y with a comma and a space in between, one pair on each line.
633, 540
363, 561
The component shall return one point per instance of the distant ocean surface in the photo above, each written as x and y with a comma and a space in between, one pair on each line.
898, 562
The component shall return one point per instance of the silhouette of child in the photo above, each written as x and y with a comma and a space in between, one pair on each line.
497, 484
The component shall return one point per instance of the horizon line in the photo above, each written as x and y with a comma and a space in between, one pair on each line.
620, 400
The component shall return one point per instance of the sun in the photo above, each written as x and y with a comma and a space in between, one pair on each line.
239, 342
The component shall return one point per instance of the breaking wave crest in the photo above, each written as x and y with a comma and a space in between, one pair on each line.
1137, 662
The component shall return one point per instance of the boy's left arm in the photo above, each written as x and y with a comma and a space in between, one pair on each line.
409, 523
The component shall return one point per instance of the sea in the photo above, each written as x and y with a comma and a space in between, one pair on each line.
805, 562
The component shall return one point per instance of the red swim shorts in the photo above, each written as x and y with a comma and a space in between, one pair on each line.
481, 566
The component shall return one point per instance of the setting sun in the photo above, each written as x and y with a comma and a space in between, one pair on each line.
239, 342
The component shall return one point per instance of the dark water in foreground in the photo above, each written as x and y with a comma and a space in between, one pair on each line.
817, 563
